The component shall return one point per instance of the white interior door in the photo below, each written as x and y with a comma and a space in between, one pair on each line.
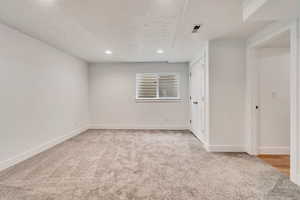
197, 93
274, 99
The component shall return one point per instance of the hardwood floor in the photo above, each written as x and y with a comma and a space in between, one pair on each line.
280, 162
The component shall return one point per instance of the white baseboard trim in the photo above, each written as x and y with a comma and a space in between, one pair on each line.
201, 138
295, 178
298, 179
28, 154
146, 127
225, 148
274, 150
217, 148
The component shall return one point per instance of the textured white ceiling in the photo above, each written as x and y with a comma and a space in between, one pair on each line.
281, 40
272, 9
132, 29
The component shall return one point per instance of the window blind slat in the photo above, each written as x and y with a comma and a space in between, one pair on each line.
168, 86
156, 86
146, 86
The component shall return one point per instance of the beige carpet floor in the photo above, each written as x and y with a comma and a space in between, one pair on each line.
142, 165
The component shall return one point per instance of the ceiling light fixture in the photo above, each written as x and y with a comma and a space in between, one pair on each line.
108, 52
160, 51
47, 2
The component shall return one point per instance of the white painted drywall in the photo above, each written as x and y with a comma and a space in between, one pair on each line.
260, 37
227, 80
43, 96
274, 99
113, 104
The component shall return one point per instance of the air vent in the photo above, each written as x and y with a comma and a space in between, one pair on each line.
196, 28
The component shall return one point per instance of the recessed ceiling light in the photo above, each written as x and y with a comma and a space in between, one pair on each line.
160, 51
47, 2
108, 52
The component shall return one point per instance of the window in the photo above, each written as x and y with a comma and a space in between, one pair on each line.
157, 86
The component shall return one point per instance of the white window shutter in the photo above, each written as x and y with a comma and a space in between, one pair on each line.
157, 86
146, 86
168, 86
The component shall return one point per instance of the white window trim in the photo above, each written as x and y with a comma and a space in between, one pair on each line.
160, 99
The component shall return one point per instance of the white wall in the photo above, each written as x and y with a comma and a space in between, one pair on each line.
227, 64
43, 96
259, 38
113, 104
274, 100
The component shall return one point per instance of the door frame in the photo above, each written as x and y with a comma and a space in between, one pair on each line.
203, 60
252, 90
193, 122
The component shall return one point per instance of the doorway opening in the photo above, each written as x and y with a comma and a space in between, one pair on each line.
273, 94
199, 106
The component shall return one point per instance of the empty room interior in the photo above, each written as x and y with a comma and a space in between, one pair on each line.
150, 99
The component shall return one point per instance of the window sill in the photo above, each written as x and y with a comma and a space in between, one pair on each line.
158, 100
